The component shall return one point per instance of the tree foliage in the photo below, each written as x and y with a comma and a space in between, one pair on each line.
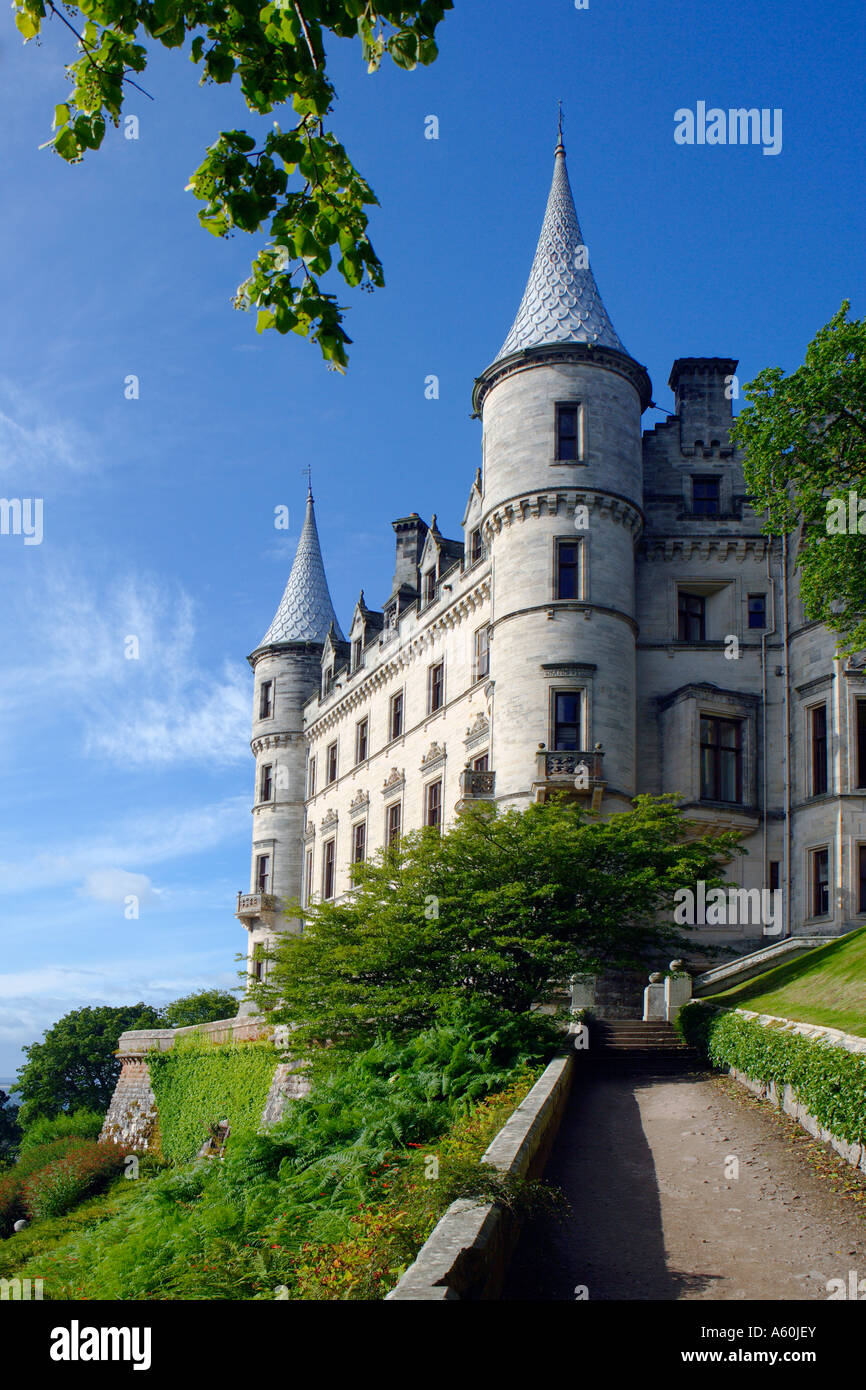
299, 186
500, 909
207, 1006
74, 1067
10, 1131
805, 442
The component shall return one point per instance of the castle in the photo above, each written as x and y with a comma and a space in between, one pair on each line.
610, 621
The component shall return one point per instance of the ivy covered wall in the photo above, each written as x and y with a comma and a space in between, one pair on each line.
198, 1084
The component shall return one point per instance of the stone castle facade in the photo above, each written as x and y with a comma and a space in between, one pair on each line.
609, 621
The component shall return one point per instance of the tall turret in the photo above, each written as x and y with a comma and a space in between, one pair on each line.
287, 666
561, 409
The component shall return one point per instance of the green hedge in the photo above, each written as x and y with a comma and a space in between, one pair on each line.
198, 1083
829, 1081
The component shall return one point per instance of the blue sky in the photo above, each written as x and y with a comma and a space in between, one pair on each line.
121, 776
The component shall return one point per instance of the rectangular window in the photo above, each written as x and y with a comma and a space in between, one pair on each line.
395, 718
311, 777
327, 681
429, 586
433, 804
482, 653
692, 617
566, 720
721, 759
359, 842
329, 857
820, 882
568, 569
757, 610
818, 719
308, 877
266, 700
266, 783
705, 496
392, 824
566, 433
476, 547
482, 763
331, 760
861, 743
357, 652
263, 873
861, 879
436, 687
774, 874
361, 730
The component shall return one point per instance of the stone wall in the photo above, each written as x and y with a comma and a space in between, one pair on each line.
132, 1119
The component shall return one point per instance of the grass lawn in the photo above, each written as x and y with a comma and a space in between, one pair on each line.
825, 986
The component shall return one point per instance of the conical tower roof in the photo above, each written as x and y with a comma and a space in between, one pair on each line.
561, 302
306, 612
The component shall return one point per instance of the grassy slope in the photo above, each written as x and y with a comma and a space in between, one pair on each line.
825, 986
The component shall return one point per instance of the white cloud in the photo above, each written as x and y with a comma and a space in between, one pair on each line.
116, 885
123, 664
30, 443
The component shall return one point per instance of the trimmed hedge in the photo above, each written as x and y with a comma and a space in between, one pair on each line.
829, 1081
199, 1083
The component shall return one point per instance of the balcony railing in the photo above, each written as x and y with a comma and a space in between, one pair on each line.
477, 784
571, 763
254, 904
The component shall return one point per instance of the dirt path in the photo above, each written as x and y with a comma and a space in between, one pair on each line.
654, 1216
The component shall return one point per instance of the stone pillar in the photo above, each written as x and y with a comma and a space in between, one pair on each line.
654, 999
677, 990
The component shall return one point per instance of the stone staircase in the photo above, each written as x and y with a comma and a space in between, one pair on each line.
629, 1047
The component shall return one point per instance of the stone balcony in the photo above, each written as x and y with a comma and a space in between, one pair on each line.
475, 787
578, 771
255, 905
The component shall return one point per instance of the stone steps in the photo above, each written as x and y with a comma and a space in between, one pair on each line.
633, 1046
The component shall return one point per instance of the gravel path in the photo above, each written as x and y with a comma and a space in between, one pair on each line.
654, 1215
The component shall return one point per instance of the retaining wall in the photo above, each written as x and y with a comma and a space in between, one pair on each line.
132, 1118
466, 1256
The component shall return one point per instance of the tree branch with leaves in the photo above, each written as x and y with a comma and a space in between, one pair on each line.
299, 186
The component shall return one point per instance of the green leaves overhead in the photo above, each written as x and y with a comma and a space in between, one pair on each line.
298, 188
805, 442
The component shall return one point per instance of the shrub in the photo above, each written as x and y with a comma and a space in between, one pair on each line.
81, 1124
12, 1181
829, 1081
58, 1186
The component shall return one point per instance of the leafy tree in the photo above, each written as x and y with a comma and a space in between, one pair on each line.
805, 442
499, 910
299, 185
74, 1067
10, 1132
207, 1006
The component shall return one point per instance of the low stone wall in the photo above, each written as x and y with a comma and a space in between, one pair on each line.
467, 1254
786, 1100
132, 1118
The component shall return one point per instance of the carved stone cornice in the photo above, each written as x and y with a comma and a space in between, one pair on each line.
394, 781
478, 730
561, 501
359, 801
433, 757
700, 548
284, 740
329, 819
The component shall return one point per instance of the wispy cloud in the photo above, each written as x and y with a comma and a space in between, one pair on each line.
32, 444
123, 664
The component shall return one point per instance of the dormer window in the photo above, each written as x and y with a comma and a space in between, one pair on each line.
476, 547
430, 586
327, 681
357, 653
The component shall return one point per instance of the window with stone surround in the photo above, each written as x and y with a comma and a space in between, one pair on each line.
818, 740
757, 610
308, 877
429, 586
266, 700
359, 842
861, 742
568, 566
311, 777
331, 764
395, 715
362, 729
567, 720
435, 687
481, 660
706, 494
721, 759
392, 824
329, 855
433, 804
357, 653
819, 881
476, 547
266, 782
692, 617
263, 873
569, 441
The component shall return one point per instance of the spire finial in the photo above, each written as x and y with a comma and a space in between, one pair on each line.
560, 148
309, 472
